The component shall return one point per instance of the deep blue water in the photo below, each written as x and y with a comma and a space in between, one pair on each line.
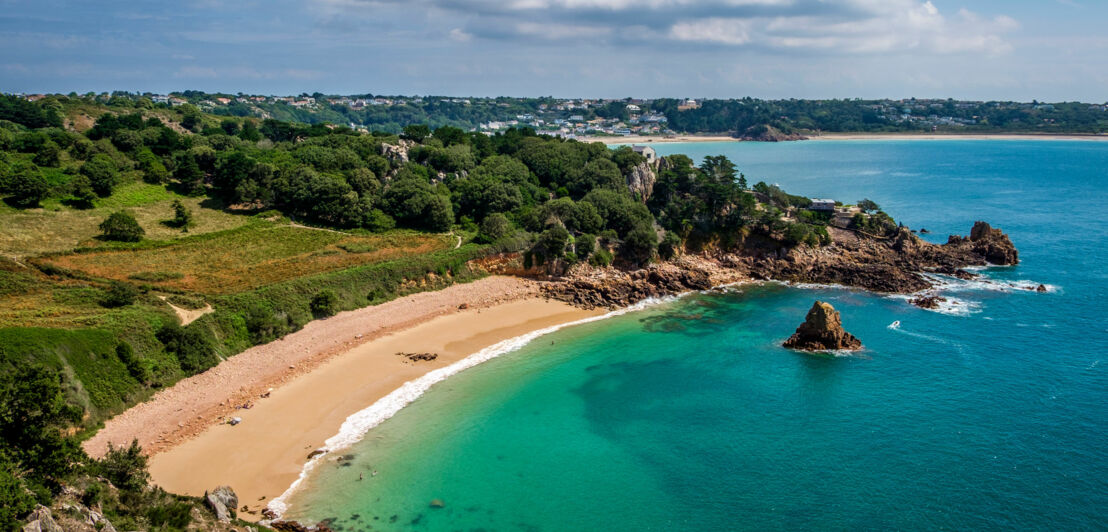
689, 416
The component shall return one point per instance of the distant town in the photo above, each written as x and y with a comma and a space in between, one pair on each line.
584, 117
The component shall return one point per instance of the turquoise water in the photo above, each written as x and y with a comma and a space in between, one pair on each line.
688, 416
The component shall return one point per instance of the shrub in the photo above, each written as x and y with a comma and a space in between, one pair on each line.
121, 226
193, 346
175, 515
126, 355
120, 295
325, 303
601, 258
81, 190
670, 245
124, 467
156, 277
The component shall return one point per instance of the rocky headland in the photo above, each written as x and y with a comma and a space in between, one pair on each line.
822, 330
895, 264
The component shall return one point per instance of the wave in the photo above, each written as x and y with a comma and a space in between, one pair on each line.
359, 423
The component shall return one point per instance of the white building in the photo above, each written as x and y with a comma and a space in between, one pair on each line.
649, 153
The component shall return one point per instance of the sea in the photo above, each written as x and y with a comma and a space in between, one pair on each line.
990, 413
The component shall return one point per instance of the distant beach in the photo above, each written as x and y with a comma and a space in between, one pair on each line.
847, 136
320, 375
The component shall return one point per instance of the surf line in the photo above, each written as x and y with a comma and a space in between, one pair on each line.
359, 423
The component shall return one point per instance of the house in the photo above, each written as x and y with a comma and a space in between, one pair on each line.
632, 108
645, 151
822, 205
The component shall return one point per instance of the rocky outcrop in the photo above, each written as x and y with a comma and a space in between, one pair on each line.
589, 287
41, 520
641, 181
223, 502
822, 330
768, 133
397, 154
990, 244
882, 264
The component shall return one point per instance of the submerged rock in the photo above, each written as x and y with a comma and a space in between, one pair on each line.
822, 330
223, 502
927, 302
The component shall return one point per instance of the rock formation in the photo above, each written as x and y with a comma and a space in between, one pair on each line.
641, 181
768, 133
397, 154
991, 244
223, 502
822, 330
927, 301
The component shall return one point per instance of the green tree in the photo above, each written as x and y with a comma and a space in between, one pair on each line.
121, 226
102, 173
868, 205
48, 155
27, 186
182, 215
416, 132
494, 227
81, 190
33, 415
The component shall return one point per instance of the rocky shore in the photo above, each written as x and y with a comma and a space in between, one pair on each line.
880, 264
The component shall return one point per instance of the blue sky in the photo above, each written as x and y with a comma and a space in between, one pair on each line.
1049, 50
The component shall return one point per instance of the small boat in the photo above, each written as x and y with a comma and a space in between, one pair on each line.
895, 325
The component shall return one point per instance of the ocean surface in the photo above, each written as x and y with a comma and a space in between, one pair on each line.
989, 415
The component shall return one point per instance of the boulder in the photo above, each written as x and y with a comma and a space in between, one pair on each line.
993, 244
437, 503
822, 330
41, 520
223, 502
927, 301
1041, 288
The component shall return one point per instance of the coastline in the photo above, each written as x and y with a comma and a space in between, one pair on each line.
638, 139
265, 454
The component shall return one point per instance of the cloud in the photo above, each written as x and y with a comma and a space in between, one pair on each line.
820, 26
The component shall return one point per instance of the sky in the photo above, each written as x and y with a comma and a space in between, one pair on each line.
1049, 50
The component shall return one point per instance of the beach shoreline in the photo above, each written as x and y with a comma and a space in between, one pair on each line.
319, 377
850, 136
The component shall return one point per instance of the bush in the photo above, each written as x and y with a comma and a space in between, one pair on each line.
15, 500
601, 258
640, 244
126, 355
670, 245
325, 303
120, 295
124, 467
121, 226
175, 515
377, 221
193, 346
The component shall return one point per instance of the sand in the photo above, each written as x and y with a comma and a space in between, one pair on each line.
848, 136
952, 136
333, 374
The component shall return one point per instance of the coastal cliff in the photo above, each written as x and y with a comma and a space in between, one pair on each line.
856, 259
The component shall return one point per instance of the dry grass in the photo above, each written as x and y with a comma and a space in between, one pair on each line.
55, 227
250, 257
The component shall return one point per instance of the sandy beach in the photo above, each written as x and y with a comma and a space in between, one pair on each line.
320, 375
952, 136
659, 140
847, 136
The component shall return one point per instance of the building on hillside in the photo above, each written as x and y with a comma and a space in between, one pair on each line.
632, 108
822, 205
645, 151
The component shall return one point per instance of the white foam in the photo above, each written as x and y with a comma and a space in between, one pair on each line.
358, 424
951, 306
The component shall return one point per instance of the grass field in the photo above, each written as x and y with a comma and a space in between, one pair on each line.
55, 227
256, 255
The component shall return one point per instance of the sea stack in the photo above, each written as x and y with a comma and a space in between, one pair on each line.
822, 330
